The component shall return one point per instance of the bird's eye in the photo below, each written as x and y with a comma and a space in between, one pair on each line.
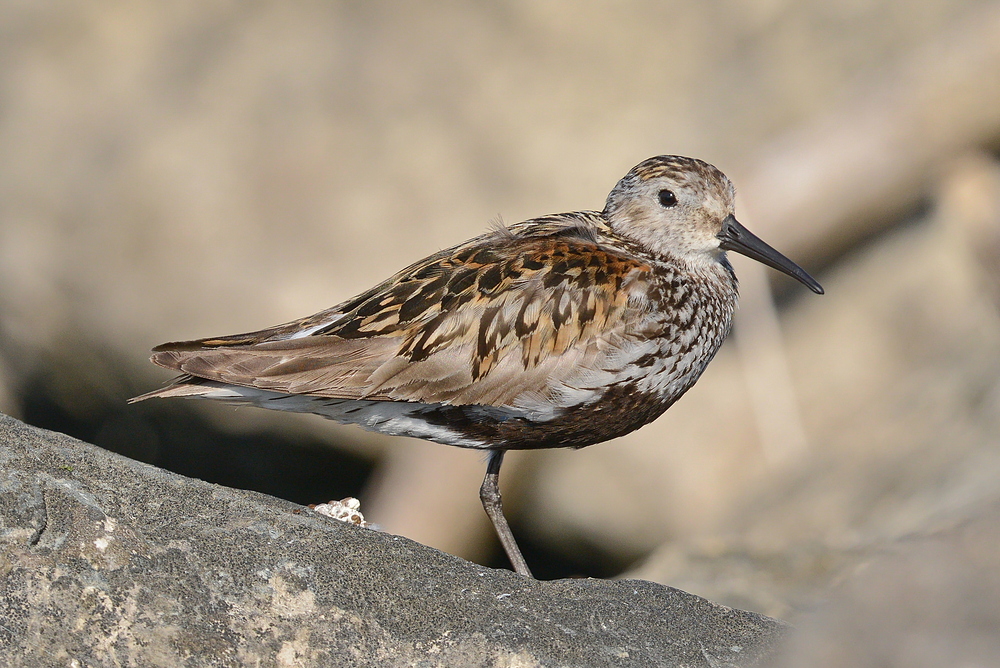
667, 198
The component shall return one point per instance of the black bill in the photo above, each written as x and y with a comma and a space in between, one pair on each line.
737, 238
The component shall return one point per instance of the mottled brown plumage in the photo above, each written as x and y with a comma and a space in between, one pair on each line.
561, 331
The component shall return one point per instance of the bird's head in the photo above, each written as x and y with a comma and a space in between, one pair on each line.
683, 207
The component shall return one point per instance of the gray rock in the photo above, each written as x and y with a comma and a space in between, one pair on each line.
107, 561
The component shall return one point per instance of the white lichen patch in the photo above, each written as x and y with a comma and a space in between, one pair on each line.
346, 510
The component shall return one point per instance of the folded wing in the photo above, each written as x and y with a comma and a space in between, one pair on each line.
515, 324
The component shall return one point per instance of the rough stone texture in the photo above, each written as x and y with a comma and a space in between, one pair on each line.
107, 561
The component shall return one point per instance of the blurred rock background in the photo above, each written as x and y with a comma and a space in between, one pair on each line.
176, 170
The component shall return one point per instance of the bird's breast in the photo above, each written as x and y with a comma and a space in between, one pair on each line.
641, 375
689, 316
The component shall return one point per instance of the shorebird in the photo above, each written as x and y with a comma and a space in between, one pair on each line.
560, 331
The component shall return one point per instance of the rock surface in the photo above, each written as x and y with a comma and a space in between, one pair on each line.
107, 561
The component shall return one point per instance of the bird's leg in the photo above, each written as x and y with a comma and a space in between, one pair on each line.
489, 493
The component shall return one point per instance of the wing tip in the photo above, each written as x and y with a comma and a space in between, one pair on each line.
204, 344
168, 359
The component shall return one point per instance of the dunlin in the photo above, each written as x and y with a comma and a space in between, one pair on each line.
561, 331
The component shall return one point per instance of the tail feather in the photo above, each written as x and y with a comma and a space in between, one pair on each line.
182, 386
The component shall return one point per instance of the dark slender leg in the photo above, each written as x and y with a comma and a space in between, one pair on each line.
489, 493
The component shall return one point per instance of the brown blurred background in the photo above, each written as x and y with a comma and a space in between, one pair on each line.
177, 170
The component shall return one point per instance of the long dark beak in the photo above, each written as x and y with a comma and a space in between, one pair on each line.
737, 238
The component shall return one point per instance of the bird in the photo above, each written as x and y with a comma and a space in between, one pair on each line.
557, 332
